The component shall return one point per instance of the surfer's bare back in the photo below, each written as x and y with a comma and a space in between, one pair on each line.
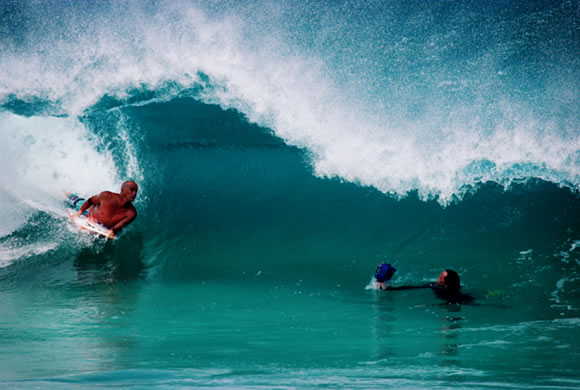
114, 211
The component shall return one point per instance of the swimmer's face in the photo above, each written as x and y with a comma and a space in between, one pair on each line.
130, 189
441, 279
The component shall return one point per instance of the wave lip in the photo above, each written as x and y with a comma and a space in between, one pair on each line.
433, 110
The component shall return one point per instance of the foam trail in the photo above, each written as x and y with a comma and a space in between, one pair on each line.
9, 254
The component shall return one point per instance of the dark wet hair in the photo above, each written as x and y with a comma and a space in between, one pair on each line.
452, 280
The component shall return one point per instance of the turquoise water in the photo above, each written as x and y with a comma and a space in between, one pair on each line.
222, 335
282, 152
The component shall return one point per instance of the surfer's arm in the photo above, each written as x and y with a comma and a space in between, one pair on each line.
122, 223
87, 204
93, 201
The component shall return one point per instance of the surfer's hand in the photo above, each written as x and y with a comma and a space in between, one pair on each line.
78, 214
111, 234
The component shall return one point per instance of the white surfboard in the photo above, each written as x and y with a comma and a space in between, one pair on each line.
86, 223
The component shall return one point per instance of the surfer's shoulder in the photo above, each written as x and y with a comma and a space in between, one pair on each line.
106, 195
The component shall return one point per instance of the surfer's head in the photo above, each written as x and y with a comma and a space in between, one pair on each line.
450, 280
129, 189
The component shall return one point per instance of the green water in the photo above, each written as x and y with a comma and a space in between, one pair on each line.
283, 150
243, 335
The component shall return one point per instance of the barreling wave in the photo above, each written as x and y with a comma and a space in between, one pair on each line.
222, 199
266, 145
409, 102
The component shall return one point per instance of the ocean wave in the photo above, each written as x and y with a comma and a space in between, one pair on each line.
438, 128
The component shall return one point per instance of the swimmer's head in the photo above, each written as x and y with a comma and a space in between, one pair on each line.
384, 272
450, 280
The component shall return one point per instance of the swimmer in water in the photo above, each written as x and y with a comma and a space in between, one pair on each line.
447, 287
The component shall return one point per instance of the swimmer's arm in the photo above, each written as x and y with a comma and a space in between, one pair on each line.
407, 287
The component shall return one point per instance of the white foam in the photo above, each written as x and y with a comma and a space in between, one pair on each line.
43, 157
263, 73
8, 255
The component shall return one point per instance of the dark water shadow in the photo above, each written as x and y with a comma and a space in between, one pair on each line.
117, 261
384, 329
452, 323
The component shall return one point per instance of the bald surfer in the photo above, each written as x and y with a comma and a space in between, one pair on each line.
113, 211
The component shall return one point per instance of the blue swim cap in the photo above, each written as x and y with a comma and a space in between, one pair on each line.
384, 272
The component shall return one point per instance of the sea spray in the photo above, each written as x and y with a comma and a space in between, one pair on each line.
424, 103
